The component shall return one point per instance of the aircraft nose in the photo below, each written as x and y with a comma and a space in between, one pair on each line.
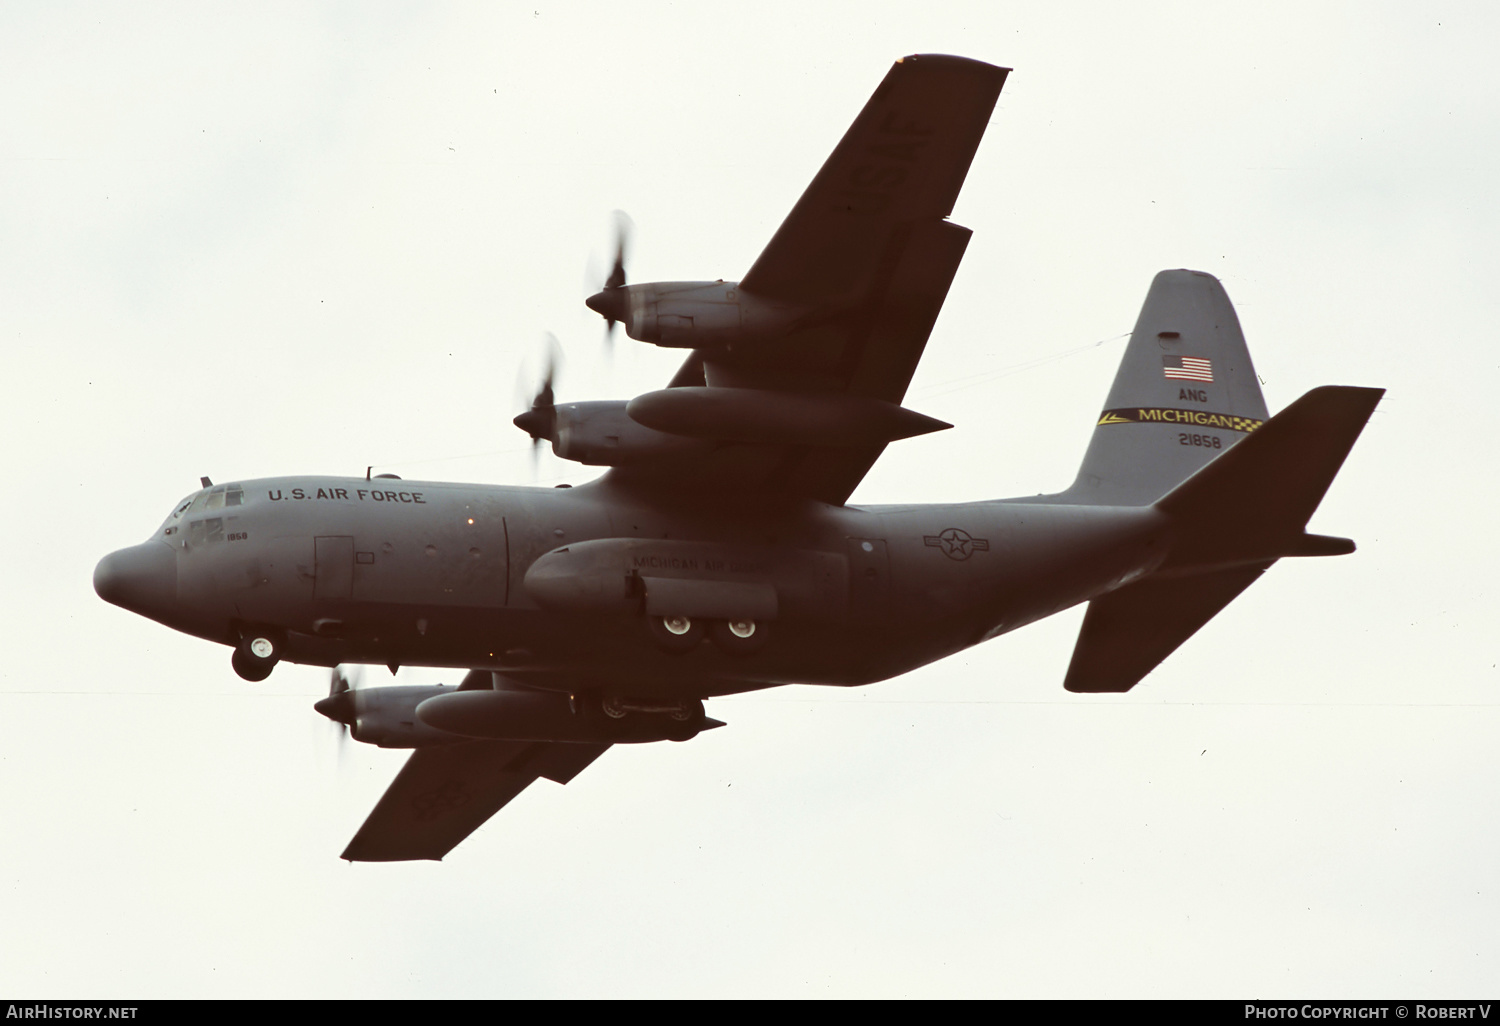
142, 578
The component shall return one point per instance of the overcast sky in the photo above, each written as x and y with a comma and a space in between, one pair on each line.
247, 240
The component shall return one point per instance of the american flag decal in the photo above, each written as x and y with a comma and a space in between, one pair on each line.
1188, 368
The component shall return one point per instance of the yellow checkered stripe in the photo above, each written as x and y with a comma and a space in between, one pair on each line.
1171, 415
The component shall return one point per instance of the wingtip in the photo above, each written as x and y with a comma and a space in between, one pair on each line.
931, 60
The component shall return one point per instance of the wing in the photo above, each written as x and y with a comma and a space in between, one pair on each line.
867, 256
445, 793
900, 165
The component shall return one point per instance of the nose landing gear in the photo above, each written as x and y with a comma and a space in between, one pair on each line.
257, 654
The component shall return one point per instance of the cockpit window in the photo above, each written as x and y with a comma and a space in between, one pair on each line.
217, 497
201, 532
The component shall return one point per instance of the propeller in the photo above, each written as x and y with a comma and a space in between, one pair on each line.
540, 420
339, 705
610, 302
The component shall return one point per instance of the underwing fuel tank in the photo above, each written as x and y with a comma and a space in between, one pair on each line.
542, 716
707, 579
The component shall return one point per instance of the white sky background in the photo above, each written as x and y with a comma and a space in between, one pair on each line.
254, 240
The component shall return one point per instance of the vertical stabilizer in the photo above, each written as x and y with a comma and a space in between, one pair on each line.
1185, 392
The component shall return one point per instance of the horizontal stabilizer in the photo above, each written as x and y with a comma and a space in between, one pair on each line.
1129, 631
1231, 520
1254, 500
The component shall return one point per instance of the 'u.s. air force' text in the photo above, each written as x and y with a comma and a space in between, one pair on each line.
360, 495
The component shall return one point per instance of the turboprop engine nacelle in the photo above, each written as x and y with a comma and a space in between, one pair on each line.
602, 434
692, 314
386, 717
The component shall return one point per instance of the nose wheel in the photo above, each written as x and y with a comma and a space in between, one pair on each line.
256, 655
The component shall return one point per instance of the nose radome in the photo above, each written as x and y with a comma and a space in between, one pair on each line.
142, 579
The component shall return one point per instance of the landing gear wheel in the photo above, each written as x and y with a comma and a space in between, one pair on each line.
685, 721
248, 669
256, 655
676, 634
739, 637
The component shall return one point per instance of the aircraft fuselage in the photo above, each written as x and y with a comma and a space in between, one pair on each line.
385, 571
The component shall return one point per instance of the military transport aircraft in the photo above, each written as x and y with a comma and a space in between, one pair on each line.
717, 554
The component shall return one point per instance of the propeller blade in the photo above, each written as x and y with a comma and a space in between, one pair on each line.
540, 421
339, 705
610, 301
623, 228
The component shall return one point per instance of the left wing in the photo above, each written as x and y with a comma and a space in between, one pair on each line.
798, 371
446, 792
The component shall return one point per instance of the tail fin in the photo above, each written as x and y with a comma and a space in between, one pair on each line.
1230, 521
1184, 393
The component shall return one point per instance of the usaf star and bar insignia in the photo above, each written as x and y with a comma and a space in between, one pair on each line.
956, 544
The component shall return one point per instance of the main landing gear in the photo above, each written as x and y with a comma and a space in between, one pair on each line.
679, 634
257, 654
685, 718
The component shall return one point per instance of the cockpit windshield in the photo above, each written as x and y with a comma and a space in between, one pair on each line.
217, 497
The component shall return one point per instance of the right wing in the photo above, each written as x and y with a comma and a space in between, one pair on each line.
446, 792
